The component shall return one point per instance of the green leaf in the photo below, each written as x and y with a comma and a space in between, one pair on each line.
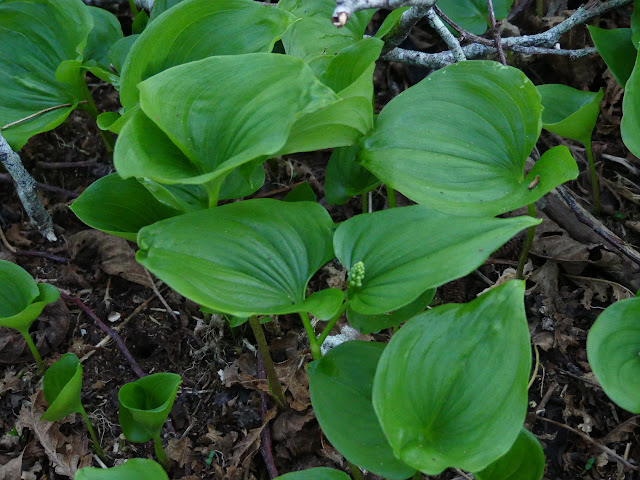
319, 473
105, 33
161, 6
340, 384
145, 405
613, 349
458, 141
523, 461
242, 182
630, 125
473, 15
408, 250
21, 298
569, 112
451, 386
197, 29
390, 23
616, 48
301, 193
345, 177
140, 22
119, 207
635, 24
375, 323
61, 385
246, 258
36, 37
133, 469
119, 51
197, 135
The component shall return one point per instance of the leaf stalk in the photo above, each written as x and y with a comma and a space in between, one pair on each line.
531, 231
272, 377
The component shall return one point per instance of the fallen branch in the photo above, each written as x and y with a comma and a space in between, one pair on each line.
146, 4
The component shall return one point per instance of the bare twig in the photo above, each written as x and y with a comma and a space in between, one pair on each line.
159, 295
451, 41
496, 33
33, 115
345, 8
26, 187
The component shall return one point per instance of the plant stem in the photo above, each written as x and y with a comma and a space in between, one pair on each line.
213, 190
96, 443
92, 110
313, 342
391, 196
527, 245
595, 186
327, 329
540, 7
161, 455
272, 377
34, 350
356, 473
365, 206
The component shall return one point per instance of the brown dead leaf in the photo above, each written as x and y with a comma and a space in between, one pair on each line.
9, 382
289, 423
544, 340
249, 445
115, 254
180, 450
15, 237
12, 470
621, 432
66, 453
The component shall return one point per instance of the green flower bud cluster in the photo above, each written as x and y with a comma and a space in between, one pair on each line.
356, 275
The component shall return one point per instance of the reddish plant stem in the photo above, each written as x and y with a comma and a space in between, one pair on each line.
123, 348
265, 434
496, 33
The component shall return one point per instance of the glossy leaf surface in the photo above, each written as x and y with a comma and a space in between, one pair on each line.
458, 141
319, 473
105, 33
613, 347
345, 177
569, 112
630, 125
615, 46
197, 29
451, 386
198, 135
246, 258
119, 207
61, 385
523, 461
133, 469
36, 36
340, 384
408, 250
145, 405
473, 15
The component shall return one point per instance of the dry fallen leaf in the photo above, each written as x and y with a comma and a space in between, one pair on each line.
9, 382
249, 445
181, 451
12, 470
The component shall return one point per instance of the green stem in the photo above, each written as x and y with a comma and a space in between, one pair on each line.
356, 473
274, 384
327, 330
365, 204
595, 186
92, 110
161, 455
34, 350
540, 7
391, 196
96, 443
527, 245
313, 342
213, 189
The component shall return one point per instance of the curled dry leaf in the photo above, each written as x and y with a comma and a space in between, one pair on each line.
12, 469
245, 450
9, 382
115, 254
181, 451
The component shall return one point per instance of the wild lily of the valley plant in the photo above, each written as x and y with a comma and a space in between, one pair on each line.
210, 90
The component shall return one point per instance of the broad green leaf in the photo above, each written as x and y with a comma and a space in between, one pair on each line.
408, 250
61, 385
246, 258
105, 33
161, 6
473, 15
197, 29
375, 323
350, 74
345, 177
319, 473
616, 48
301, 193
630, 126
458, 141
451, 386
140, 22
114, 122
36, 37
119, 51
340, 384
184, 198
569, 112
119, 207
145, 405
133, 469
313, 38
635, 24
523, 461
198, 135
613, 349
325, 303
242, 182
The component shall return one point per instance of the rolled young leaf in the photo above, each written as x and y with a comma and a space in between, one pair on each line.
408, 250
345, 177
133, 469
61, 385
458, 141
340, 384
253, 257
613, 350
451, 386
523, 461
630, 125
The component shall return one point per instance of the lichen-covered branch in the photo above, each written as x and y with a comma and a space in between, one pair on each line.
146, 4
345, 8
451, 41
27, 190
407, 21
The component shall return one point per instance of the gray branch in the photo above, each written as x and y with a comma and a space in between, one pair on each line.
407, 21
27, 190
345, 8
451, 41
146, 4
